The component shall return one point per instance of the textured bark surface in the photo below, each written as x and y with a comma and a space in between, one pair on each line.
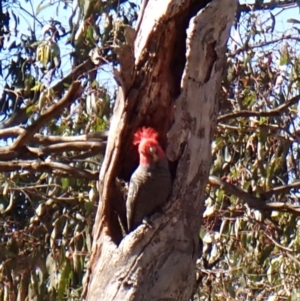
179, 56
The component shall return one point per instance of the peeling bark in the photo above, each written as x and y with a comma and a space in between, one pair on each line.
179, 57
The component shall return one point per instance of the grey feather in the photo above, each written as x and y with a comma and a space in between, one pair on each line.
149, 188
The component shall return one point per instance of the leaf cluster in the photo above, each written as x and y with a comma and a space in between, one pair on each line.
55, 110
250, 229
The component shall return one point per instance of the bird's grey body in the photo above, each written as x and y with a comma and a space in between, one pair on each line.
149, 188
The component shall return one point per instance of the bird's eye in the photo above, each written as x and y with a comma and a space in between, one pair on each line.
152, 149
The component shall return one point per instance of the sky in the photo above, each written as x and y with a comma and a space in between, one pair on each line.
57, 12
292, 12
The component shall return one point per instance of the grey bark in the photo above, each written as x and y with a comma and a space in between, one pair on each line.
157, 261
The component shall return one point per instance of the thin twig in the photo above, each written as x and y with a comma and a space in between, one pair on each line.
247, 113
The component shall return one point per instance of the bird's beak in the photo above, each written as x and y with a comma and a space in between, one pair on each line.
155, 157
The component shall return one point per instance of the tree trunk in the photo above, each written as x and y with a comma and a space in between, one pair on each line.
178, 61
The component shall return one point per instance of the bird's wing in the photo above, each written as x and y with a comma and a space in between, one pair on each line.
132, 195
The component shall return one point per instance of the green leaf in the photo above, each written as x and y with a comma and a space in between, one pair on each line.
30, 110
65, 183
64, 279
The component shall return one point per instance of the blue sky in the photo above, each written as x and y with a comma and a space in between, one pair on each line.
57, 12
292, 12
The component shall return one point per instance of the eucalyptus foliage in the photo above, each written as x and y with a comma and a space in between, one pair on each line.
48, 187
250, 253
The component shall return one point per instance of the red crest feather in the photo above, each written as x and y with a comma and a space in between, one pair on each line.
144, 133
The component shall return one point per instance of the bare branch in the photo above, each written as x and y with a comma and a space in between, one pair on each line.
277, 243
46, 140
261, 5
35, 193
69, 146
72, 76
276, 112
21, 116
250, 200
248, 47
281, 190
18, 117
91, 144
48, 115
88, 154
49, 167
13, 132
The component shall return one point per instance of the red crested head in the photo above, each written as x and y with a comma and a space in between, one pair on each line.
148, 145
144, 133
